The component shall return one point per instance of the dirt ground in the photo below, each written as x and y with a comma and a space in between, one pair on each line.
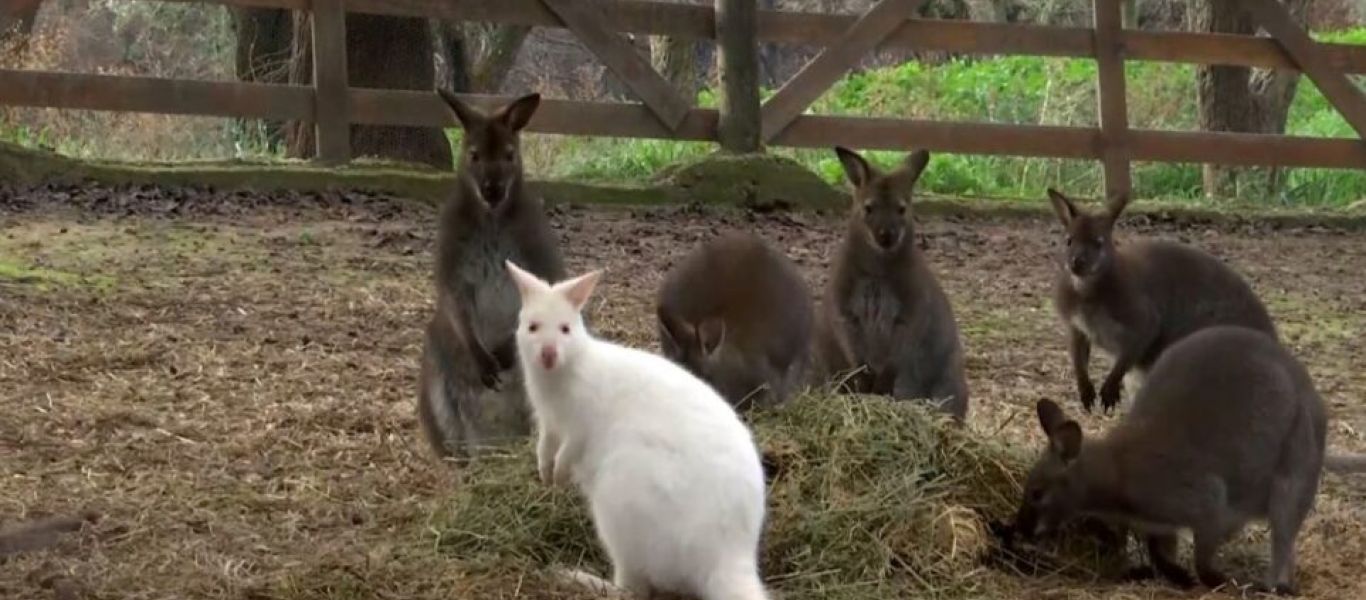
228, 378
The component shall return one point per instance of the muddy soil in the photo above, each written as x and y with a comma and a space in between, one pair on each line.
228, 378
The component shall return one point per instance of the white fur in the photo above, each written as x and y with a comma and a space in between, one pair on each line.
671, 475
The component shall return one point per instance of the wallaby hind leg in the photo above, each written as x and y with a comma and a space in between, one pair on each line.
1292, 497
436, 411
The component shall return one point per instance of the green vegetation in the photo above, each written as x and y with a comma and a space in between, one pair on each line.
1019, 90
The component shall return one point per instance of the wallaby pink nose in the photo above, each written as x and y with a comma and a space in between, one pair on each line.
548, 357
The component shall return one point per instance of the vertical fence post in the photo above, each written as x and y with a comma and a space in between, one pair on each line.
331, 103
1114, 118
737, 40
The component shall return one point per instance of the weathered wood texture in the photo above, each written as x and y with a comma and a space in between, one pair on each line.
330, 100
331, 114
590, 24
738, 49
1341, 91
833, 62
1114, 117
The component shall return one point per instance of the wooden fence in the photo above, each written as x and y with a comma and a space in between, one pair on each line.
742, 123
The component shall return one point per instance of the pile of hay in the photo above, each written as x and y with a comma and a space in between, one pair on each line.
869, 498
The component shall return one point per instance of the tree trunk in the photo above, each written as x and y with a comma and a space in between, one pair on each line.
499, 50
16, 23
676, 60
451, 46
384, 53
1238, 100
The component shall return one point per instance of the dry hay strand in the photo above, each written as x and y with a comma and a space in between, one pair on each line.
868, 497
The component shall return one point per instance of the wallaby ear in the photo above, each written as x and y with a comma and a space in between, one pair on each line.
1050, 415
856, 168
1063, 206
915, 165
579, 289
1117, 206
518, 113
1066, 440
465, 113
674, 334
527, 284
711, 334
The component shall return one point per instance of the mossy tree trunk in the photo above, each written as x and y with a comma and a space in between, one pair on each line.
16, 23
1240, 99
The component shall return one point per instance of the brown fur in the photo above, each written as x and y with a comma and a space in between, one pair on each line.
41, 533
1227, 429
463, 400
884, 312
1137, 300
738, 315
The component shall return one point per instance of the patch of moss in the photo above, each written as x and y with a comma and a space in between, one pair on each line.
16, 272
752, 180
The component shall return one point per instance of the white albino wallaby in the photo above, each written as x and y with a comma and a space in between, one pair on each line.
672, 476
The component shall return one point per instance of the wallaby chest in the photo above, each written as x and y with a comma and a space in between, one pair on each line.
1103, 329
477, 276
874, 309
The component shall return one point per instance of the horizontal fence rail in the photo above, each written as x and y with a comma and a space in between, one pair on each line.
333, 105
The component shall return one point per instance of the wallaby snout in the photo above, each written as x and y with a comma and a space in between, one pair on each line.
549, 356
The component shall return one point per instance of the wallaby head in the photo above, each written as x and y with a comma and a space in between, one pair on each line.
550, 328
882, 201
695, 344
1054, 490
1090, 241
490, 153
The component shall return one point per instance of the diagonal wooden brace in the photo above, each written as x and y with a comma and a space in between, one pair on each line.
833, 62
1336, 87
586, 19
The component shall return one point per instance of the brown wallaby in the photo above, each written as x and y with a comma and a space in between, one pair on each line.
884, 311
463, 401
737, 314
41, 533
1227, 428
1136, 300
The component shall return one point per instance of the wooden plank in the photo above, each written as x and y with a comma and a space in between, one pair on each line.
1246, 149
815, 131
567, 117
153, 95
833, 62
740, 127
591, 27
1336, 87
1113, 103
330, 82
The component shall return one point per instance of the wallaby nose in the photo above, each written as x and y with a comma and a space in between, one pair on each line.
887, 239
1077, 265
549, 356
493, 192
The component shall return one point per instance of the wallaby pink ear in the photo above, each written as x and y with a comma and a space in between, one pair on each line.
1066, 441
856, 168
527, 284
711, 334
1063, 207
465, 113
579, 289
915, 165
517, 114
1050, 415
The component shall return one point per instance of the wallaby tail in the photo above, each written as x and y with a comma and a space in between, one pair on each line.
1345, 463
590, 582
739, 584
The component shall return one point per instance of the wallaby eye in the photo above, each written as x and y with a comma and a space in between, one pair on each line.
1069, 242
564, 329
1036, 496
474, 155
901, 209
1100, 241
868, 208
533, 328
511, 153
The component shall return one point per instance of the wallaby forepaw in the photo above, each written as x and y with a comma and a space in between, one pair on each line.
1109, 396
1087, 393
